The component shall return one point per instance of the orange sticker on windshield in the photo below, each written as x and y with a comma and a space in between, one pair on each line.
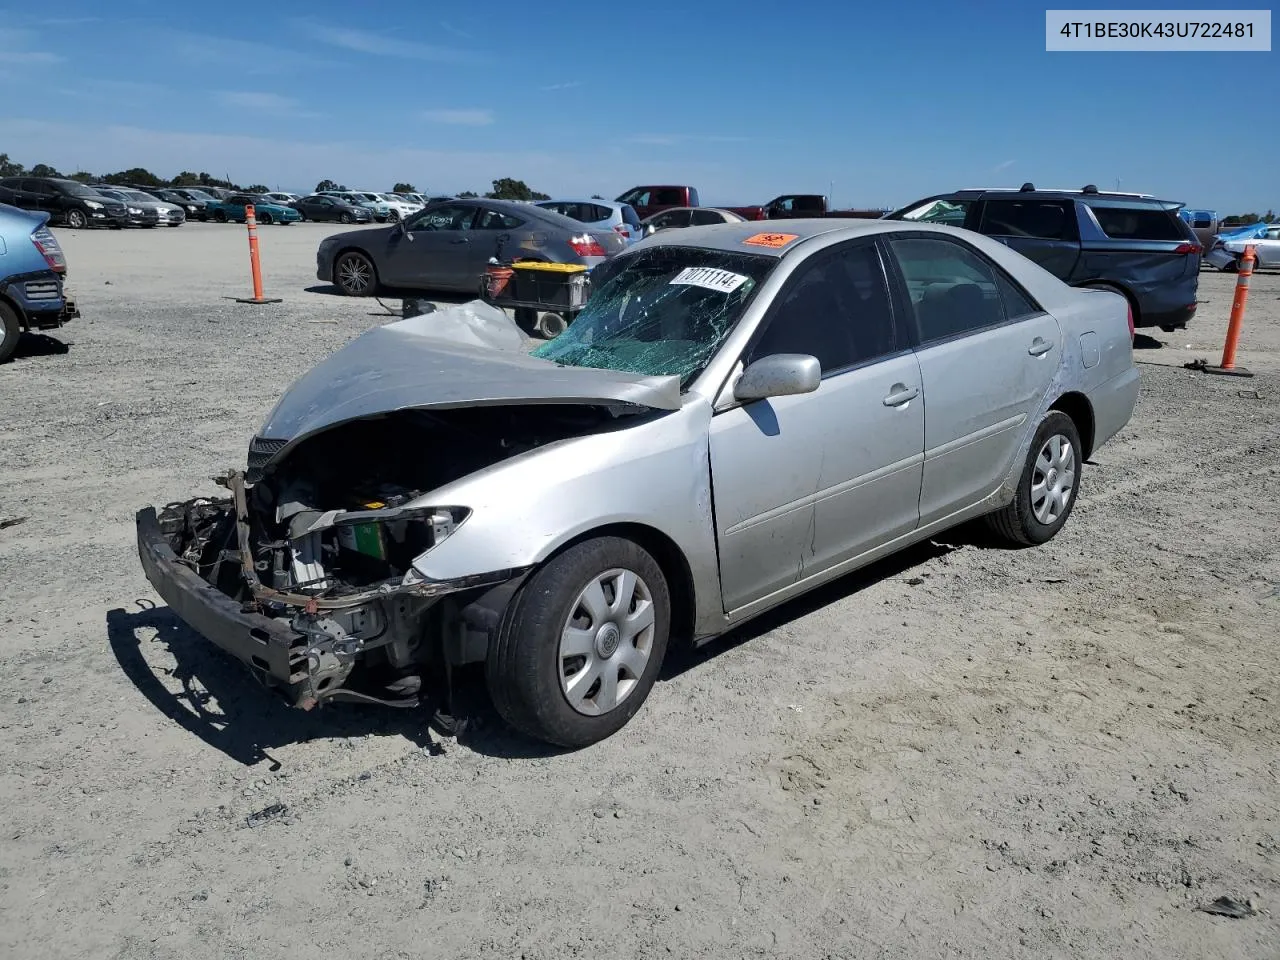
773, 240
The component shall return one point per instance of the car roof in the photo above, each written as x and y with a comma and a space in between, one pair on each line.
595, 200
1057, 193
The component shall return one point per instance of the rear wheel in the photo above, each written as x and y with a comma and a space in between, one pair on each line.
582, 643
220, 216
77, 219
354, 275
266, 218
393, 216
10, 331
1048, 486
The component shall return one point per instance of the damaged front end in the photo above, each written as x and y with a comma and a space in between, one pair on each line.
321, 605
314, 569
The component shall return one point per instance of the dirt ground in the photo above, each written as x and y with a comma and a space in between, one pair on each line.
963, 752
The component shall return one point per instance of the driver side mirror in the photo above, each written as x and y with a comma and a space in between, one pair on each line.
779, 375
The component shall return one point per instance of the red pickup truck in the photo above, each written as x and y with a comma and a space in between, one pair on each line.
648, 200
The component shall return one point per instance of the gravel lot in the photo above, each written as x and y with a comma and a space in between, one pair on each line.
964, 752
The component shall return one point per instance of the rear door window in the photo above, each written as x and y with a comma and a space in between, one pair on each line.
1038, 219
954, 291
493, 220
673, 218
703, 217
1137, 223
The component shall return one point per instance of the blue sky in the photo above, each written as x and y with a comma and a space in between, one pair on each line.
880, 104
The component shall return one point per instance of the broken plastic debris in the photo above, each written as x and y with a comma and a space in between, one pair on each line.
1230, 907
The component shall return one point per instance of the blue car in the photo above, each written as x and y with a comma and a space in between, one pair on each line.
32, 273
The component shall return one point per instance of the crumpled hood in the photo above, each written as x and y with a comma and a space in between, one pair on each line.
465, 355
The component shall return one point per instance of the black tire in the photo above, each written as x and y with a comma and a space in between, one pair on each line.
220, 216
1017, 523
77, 219
526, 318
393, 216
10, 331
524, 668
347, 268
266, 218
302, 216
551, 325
345, 218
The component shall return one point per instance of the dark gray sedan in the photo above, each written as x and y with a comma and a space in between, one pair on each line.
333, 209
446, 246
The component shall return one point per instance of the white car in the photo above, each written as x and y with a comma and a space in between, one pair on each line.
400, 207
415, 198
1226, 254
284, 199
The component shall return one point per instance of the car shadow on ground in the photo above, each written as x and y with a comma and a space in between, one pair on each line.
32, 345
222, 704
1142, 341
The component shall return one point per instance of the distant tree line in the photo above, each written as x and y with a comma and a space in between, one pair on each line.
506, 188
1245, 219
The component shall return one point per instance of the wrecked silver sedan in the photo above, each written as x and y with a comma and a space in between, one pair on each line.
736, 418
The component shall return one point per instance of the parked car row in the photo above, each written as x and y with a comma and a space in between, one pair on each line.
1132, 244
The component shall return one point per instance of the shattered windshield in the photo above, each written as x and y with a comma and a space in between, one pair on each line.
660, 312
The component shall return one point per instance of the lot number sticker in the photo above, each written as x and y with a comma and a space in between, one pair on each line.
722, 281
773, 240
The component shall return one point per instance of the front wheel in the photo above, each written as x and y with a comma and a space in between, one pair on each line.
393, 216
345, 218
582, 643
354, 275
77, 220
266, 218
220, 216
1048, 486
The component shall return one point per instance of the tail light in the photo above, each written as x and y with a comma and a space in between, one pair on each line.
1188, 248
621, 230
47, 244
587, 246
1131, 327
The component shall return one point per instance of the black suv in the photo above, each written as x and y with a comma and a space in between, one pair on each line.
66, 201
1132, 243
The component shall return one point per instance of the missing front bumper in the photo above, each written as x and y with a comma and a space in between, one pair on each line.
311, 646
270, 647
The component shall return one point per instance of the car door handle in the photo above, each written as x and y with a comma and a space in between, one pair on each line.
901, 394
1039, 347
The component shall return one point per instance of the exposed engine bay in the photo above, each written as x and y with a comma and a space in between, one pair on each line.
324, 537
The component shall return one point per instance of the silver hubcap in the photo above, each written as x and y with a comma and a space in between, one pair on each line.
354, 275
1053, 479
606, 642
